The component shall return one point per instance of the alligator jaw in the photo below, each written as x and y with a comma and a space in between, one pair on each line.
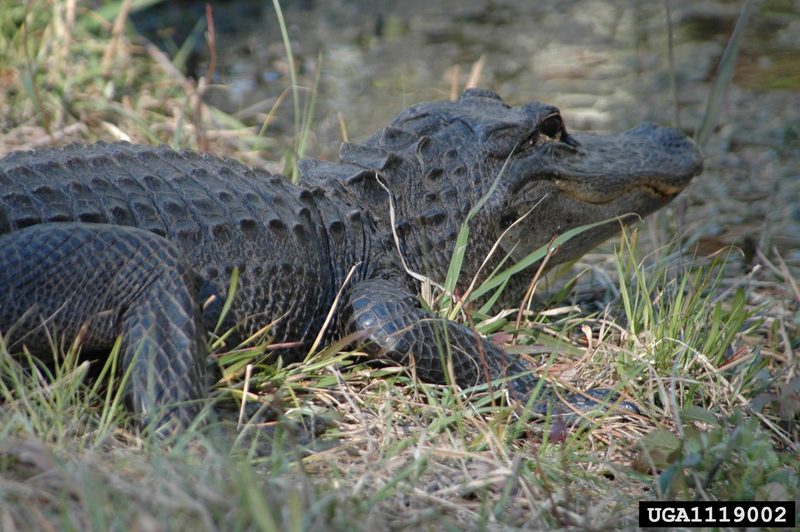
659, 190
649, 159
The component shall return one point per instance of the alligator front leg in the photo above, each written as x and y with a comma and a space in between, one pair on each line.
103, 282
396, 328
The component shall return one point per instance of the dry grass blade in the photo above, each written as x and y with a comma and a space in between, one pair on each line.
475, 73
333, 309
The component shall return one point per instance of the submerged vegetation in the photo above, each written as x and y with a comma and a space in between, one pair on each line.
707, 349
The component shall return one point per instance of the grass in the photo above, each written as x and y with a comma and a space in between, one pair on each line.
705, 350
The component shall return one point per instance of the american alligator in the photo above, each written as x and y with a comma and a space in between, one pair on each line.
112, 241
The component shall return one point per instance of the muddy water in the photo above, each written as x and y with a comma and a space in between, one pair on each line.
605, 63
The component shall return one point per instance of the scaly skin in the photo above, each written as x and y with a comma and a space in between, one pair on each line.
140, 242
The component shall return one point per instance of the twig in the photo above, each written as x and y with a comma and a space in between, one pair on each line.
526, 302
475, 73
332, 311
248, 372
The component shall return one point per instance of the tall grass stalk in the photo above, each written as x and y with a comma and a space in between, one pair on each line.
722, 78
292, 78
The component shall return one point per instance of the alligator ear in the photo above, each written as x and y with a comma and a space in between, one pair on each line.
426, 149
366, 157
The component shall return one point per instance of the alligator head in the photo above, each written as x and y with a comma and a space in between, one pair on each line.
439, 159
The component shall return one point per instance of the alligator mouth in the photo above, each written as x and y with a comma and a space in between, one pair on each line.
658, 190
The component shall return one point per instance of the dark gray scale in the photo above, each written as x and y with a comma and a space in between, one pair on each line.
207, 215
428, 209
84, 204
361, 226
432, 176
315, 173
125, 172
254, 221
97, 198
22, 211
92, 196
164, 185
53, 204
206, 225
418, 121
461, 171
343, 255
22, 208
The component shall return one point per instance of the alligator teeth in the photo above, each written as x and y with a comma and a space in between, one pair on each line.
660, 189
589, 195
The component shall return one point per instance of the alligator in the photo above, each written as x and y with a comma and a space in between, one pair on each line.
119, 241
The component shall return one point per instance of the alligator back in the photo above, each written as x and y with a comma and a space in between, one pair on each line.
219, 213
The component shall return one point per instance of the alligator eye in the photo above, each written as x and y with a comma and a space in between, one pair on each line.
552, 126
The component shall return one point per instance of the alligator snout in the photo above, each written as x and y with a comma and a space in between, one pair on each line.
605, 166
670, 140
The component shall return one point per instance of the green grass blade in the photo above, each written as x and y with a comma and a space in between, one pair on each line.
460, 249
228, 300
532, 258
308, 116
180, 58
292, 77
722, 78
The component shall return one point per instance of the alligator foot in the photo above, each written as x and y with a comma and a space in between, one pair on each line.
395, 327
591, 399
